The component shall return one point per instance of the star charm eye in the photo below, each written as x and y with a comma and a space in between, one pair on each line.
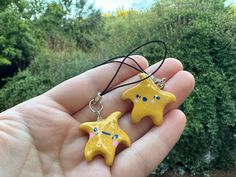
115, 137
144, 99
157, 97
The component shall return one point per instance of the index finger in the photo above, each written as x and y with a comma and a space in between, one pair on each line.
76, 92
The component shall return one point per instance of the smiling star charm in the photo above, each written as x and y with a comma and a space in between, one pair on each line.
148, 100
104, 136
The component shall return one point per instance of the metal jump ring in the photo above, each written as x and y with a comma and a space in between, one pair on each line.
160, 82
97, 111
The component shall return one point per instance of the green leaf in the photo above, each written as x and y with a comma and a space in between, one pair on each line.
4, 61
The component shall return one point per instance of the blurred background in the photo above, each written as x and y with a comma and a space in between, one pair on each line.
43, 43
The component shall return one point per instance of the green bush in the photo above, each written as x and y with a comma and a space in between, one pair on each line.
17, 43
30, 26
44, 72
16, 40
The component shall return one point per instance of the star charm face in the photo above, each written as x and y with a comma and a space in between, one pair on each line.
104, 136
148, 100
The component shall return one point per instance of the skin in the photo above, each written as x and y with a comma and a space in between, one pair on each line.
41, 137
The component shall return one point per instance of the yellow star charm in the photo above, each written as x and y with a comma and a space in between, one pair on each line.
148, 100
104, 136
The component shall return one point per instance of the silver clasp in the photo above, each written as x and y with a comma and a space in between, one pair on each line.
159, 82
96, 106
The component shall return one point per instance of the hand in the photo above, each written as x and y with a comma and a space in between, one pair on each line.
41, 137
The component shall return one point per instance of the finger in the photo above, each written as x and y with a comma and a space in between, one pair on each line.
76, 92
147, 152
181, 85
112, 101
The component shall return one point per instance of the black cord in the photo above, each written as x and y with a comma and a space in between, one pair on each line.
112, 60
140, 68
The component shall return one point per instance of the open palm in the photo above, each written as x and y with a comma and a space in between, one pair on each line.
41, 137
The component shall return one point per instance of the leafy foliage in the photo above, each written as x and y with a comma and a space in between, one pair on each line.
17, 44
30, 26
36, 79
